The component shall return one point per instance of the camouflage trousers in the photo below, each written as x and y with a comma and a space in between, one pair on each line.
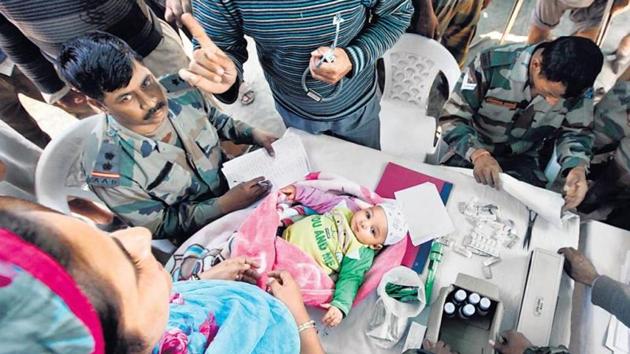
457, 24
522, 167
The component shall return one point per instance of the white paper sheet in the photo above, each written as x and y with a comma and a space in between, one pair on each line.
289, 165
415, 336
424, 212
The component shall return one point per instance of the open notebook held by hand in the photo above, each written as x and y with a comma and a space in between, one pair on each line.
289, 165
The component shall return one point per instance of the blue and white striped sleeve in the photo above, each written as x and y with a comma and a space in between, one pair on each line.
390, 20
222, 24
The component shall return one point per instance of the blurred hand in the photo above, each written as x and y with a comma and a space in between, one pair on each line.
333, 316
289, 193
575, 187
578, 267
210, 70
175, 9
238, 268
486, 168
330, 72
436, 348
90, 210
515, 343
76, 104
428, 26
264, 139
282, 285
244, 194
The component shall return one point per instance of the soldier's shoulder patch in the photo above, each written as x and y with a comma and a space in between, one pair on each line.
106, 170
469, 80
173, 83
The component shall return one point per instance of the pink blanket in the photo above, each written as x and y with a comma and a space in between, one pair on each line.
257, 239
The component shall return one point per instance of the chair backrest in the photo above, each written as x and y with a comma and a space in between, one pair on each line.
53, 183
411, 66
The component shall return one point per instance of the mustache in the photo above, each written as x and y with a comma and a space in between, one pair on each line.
153, 110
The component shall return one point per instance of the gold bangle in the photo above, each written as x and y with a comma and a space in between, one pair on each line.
306, 325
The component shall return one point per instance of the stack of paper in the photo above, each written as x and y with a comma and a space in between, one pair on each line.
424, 212
618, 337
290, 164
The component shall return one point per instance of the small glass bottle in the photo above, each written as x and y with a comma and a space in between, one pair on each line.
466, 311
484, 306
449, 310
459, 297
473, 299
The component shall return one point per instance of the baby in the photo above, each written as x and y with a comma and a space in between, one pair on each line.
342, 239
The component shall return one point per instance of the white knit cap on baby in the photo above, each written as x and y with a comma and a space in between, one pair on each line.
396, 225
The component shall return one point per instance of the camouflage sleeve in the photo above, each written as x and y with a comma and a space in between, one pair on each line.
575, 142
547, 350
622, 158
229, 128
456, 118
174, 222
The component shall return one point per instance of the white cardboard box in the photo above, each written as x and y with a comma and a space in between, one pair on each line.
540, 296
467, 336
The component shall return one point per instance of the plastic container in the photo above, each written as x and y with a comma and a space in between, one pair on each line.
467, 311
474, 299
460, 297
484, 306
449, 310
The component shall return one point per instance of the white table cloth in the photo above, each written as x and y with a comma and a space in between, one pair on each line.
366, 166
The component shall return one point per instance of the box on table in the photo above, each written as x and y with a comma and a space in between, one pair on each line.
466, 335
540, 296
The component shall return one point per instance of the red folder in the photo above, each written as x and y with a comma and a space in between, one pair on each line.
396, 178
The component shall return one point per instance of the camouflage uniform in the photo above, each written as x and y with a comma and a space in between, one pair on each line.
611, 164
457, 24
172, 189
492, 108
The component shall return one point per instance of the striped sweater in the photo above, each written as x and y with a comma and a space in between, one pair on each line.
287, 31
31, 32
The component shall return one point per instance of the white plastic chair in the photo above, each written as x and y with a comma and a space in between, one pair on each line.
54, 180
411, 66
53, 183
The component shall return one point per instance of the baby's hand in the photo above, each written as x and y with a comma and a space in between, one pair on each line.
333, 316
289, 193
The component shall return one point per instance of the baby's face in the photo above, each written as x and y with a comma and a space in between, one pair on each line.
370, 226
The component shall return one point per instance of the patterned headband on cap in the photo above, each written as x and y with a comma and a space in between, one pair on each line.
41, 303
